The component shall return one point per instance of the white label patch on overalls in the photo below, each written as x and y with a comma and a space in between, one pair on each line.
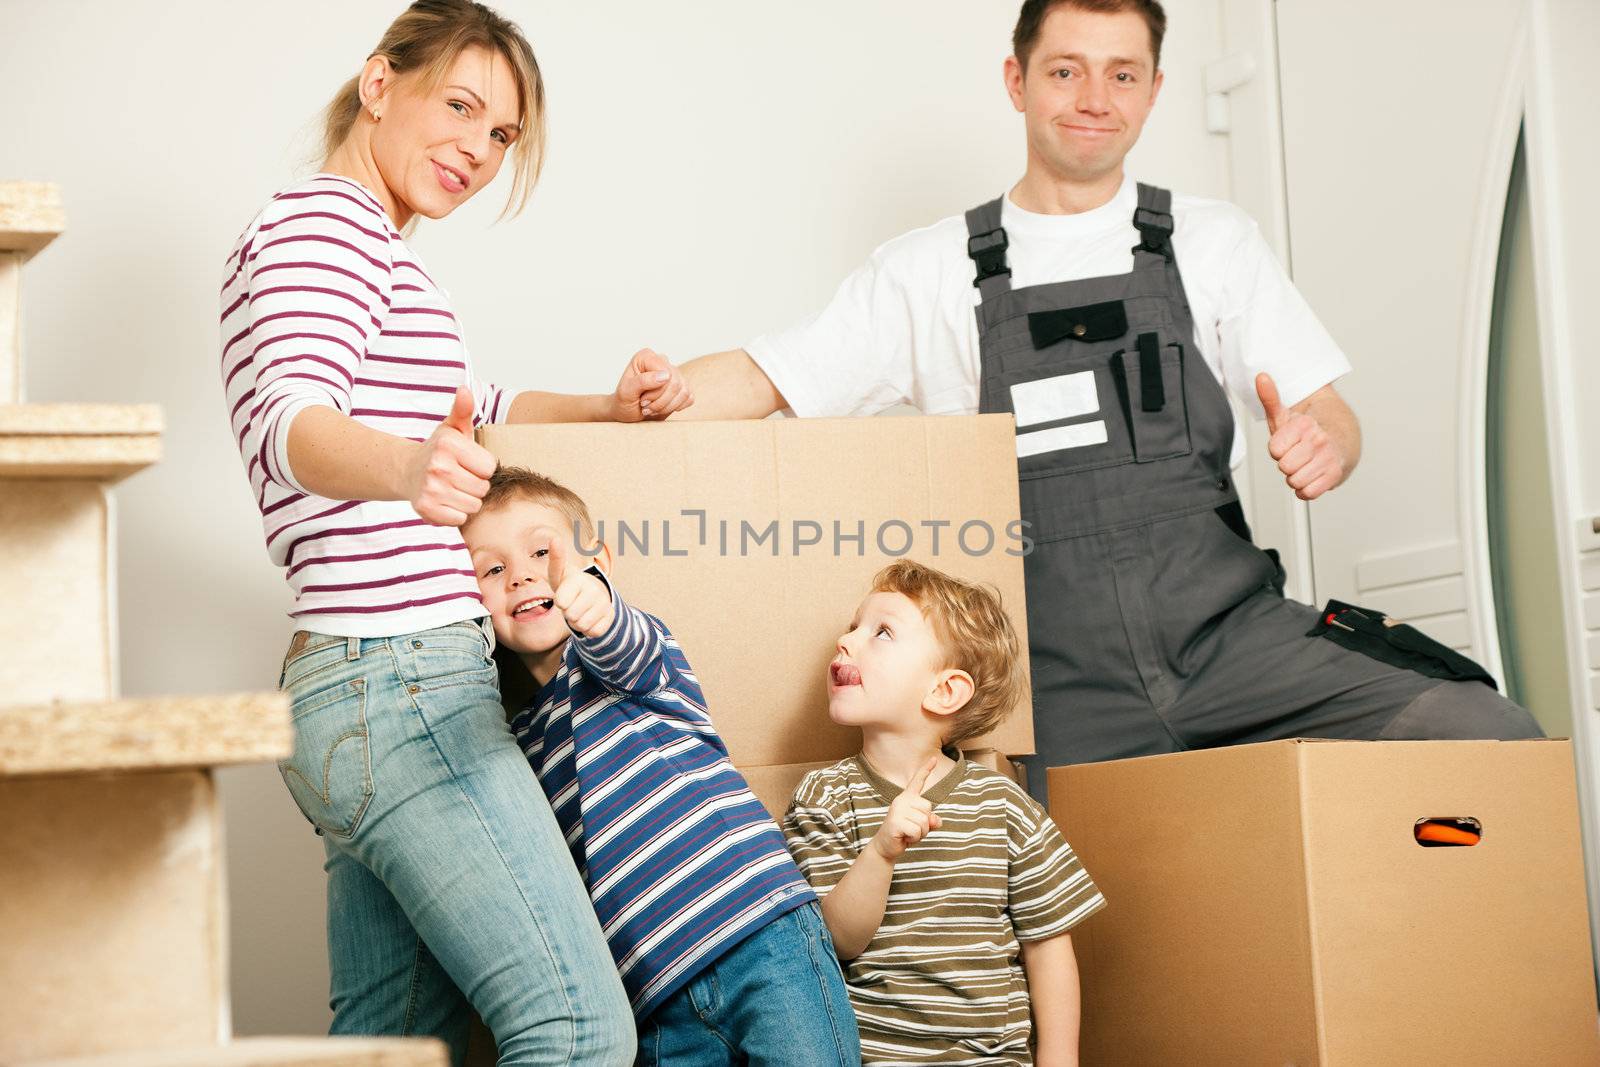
1065, 396
1080, 436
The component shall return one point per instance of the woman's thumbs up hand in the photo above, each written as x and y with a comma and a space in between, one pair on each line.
447, 477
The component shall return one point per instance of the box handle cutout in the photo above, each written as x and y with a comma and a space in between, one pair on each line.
1447, 832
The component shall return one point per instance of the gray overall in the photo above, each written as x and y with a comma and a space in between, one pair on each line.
1155, 624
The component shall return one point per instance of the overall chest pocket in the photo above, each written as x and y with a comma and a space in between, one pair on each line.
1087, 392
1064, 396
1067, 416
1151, 392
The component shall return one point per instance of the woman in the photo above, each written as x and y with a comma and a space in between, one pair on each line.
353, 402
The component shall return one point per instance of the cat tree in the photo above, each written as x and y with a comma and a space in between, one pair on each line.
113, 916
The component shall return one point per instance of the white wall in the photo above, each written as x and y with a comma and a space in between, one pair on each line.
715, 169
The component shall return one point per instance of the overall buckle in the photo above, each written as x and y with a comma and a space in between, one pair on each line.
1155, 231
988, 251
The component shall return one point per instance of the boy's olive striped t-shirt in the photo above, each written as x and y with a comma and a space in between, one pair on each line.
942, 980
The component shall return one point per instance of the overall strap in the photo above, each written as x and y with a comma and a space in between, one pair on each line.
1153, 219
986, 245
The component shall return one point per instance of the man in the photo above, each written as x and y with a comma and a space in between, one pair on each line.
1155, 625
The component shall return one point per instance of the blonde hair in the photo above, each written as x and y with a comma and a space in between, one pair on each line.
425, 42
519, 483
977, 637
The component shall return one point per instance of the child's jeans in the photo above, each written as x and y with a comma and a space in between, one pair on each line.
776, 998
446, 869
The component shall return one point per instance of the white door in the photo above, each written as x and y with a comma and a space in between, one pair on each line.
1394, 221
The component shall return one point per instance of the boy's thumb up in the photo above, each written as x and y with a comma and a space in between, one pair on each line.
460, 417
555, 562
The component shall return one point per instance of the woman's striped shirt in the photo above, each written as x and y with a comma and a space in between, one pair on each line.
942, 979
324, 303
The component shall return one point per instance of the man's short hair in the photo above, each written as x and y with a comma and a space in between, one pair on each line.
1031, 20
976, 635
519, 483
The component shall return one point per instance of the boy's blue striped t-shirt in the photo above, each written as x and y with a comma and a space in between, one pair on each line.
681, 861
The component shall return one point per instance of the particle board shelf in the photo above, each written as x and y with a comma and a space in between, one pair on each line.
102, 442
158, 733
30, 216
278, 1052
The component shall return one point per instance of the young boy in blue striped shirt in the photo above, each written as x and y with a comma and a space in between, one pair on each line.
716, 933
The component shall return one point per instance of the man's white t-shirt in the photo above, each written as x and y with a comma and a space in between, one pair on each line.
901, 328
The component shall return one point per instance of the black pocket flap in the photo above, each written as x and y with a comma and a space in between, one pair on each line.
1092, 322
1387, 641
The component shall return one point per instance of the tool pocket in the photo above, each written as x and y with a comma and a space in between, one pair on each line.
1374, 634
1150, 389
1054, 373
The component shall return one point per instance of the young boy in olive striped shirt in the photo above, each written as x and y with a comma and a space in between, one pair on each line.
948, 891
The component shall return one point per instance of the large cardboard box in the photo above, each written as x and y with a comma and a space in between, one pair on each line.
1270, 905
774, 786
754, 541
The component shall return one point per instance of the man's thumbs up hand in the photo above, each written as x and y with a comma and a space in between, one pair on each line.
447, 477
1267, 390
1307, 455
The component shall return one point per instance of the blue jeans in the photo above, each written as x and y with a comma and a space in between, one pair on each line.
776, 998
447, 872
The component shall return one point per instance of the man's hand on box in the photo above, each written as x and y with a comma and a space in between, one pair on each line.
650, 389
582, 599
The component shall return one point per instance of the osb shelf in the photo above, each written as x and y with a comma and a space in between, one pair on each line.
148, 734
278, 1052
104, 442
30, 216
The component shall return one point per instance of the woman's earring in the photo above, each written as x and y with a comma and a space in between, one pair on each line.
376, 115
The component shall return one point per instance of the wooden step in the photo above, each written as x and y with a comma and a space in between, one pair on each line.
146, 734
101, 442
30, 216
278, 1052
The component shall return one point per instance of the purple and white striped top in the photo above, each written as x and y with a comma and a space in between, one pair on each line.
323, 303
